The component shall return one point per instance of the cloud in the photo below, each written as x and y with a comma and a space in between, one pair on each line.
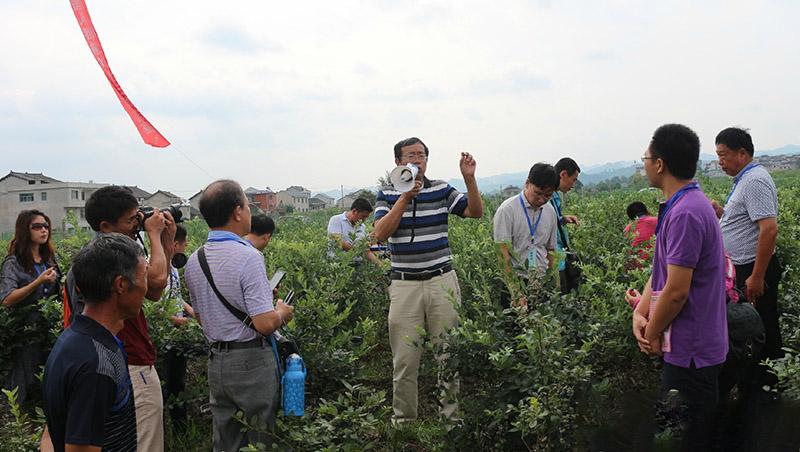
231, 38
515, 81
600, 55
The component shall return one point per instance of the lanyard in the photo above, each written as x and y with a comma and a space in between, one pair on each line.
531, 227
665, 207
40, 268
225, 236
739, 178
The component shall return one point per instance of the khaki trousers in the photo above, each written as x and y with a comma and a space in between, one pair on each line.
149, 408
419, 304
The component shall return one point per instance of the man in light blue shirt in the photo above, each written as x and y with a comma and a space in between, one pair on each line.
348, 227
567, 170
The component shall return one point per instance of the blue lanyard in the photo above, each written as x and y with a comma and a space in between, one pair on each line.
665, 207
225, 236
41, 270
739, 178
531, 227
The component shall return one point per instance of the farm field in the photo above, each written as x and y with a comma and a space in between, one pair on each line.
566, 376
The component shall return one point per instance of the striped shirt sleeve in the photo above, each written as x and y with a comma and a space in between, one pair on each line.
381, 205
255, 286
456, 201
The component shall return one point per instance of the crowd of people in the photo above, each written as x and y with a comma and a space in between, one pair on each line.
101, 387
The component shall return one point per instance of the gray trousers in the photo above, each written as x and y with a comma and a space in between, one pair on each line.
242, 380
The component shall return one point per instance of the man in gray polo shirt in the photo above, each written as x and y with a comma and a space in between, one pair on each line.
750, 231
525, 227
242, 368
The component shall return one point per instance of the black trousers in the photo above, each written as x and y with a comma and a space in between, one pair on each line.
767, 307
699, 391
174, 380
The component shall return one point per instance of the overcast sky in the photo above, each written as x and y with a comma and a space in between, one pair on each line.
317, 93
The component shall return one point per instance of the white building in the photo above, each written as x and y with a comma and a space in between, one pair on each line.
57, 199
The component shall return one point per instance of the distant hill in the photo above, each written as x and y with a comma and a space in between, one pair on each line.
593, 174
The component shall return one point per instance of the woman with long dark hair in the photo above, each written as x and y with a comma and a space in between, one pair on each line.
29, 273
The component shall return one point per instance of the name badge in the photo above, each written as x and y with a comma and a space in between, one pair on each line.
532, 257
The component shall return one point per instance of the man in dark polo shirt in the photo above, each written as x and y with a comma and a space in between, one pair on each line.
415, 223
88, 396
115, 209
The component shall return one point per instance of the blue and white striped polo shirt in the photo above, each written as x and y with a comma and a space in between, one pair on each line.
420, 242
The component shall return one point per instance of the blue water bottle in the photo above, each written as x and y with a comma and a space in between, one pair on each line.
294, 386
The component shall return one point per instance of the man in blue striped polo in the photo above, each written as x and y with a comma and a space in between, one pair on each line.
415, 223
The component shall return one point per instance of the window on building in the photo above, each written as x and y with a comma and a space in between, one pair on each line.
26, 197
31, 182
74, 194
43, 196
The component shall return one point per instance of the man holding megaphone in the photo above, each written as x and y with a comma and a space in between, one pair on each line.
412, 213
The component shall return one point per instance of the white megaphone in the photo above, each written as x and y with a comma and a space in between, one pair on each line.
402, 177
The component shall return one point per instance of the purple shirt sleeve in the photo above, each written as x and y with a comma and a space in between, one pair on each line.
684, 240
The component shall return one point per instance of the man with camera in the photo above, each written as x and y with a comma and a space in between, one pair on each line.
232, 299
423, 281
115, 209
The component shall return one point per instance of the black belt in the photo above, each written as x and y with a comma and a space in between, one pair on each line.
225, 346
421, 276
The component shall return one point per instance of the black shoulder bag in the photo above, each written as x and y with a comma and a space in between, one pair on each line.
572, 270
286, 347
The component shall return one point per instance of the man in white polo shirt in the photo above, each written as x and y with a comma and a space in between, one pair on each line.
525, 227
346, 228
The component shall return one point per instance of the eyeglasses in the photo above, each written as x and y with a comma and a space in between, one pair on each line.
38, 226
649, 158
414, 156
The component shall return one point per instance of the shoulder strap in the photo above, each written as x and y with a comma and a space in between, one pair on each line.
243, 317
561, 233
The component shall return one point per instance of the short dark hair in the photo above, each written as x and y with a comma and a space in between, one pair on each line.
109, 203
398, 148
679, 147
736, 138
568, 165
262, 224
636, 209
219, 200
361, 205
544, 176
103, 259
180, 233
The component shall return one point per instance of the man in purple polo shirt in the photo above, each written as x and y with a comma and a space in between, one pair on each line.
688, 276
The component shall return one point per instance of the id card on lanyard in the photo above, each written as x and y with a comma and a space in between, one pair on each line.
532, 256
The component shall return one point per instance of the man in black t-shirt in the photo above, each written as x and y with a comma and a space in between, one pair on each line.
88, 396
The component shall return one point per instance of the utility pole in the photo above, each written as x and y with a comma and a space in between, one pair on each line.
342, 188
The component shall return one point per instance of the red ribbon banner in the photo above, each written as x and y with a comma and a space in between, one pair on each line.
149, 133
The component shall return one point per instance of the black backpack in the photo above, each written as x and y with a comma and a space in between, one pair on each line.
746, 335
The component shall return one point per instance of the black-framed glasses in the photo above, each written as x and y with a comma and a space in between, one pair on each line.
38, 226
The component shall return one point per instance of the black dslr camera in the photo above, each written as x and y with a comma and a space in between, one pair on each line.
174, 210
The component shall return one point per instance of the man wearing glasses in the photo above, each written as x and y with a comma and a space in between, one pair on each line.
423, 281
525, 228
